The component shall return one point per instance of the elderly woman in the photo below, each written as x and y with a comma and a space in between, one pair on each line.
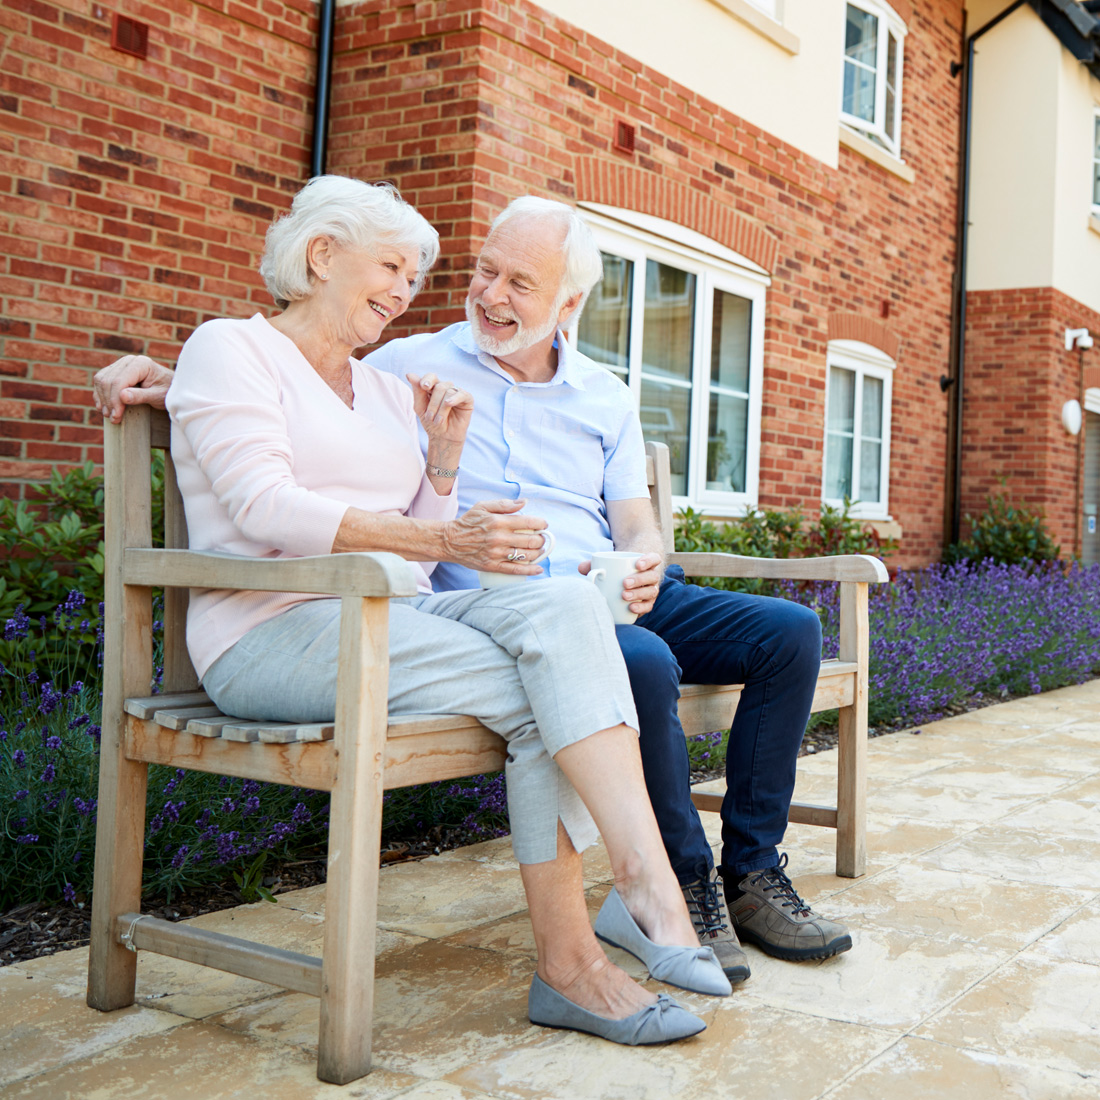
286, 445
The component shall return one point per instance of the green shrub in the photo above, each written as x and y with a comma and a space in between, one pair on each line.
1005, 534
52, 543
776, 534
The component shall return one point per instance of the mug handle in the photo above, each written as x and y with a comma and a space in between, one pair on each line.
595, 574
547, 546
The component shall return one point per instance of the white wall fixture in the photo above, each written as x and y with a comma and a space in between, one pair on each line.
1079, 338
1071, 416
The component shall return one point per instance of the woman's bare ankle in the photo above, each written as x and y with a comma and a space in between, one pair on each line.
599, 987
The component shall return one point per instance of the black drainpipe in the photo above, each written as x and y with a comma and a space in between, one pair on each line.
322, 87
964, 235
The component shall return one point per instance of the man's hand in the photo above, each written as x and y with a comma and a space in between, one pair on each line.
483, 537
131, 380
640, 588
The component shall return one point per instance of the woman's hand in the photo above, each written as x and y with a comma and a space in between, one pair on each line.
485, 536
131, 380
442, 408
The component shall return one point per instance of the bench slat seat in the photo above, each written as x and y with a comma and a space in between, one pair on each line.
181, 728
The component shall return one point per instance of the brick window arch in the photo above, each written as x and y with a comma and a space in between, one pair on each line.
631, 188
855, 326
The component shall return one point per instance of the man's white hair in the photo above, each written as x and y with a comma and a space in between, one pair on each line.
583, 265
352, 213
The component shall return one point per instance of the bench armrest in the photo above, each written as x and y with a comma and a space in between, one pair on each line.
362, 574
840, 567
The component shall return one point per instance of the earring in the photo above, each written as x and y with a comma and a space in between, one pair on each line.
323, 275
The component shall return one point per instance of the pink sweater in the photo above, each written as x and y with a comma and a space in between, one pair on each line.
269, 459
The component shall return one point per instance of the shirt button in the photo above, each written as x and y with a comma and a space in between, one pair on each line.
511, 434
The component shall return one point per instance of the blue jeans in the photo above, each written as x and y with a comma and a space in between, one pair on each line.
704, 636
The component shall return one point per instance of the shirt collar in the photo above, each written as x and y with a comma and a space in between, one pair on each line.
569, 368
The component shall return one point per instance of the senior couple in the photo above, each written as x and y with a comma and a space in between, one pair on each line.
287, 445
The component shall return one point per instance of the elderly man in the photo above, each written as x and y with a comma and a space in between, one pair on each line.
562, 432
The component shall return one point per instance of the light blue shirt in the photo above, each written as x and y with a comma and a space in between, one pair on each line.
566, 446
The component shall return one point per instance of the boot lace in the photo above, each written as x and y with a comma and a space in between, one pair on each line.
774, 881
705, 907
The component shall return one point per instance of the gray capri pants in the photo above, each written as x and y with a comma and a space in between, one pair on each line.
536, 662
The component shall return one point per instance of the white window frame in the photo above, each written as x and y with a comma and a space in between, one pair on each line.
1095, 161
888, 21
773, 9
865, 361
638, 237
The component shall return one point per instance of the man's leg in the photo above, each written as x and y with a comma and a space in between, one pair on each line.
655, 683
773, 647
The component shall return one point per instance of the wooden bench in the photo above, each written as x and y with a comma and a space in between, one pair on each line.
358, 756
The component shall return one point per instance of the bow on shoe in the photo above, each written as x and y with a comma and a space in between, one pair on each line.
651, 1026
685, 969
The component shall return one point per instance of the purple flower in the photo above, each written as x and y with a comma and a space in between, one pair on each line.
27, 838
20, 795
69, 893
19, 758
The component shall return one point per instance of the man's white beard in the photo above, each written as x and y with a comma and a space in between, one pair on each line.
520, 340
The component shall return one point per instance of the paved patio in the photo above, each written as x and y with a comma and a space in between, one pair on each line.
975, 972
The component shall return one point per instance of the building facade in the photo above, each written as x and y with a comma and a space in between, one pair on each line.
774, 185
1033, 272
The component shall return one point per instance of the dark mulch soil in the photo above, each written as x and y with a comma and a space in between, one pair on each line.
33, 930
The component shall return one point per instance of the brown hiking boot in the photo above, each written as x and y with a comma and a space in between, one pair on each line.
767, 911
707, 907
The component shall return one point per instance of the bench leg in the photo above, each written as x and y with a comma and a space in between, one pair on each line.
355, 827
119, 846
851, 838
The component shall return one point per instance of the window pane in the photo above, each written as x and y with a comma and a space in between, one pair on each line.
666, 416
860, 58
861, 36
668, 332
891, 85
727, 442
859, 92
838, 466
603, 333
842, 400
729, 346
872, 408
870, 472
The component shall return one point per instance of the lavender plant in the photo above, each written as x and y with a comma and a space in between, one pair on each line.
952, 635
200, 829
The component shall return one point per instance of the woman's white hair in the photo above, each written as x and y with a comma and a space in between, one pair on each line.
583, 265
351, 213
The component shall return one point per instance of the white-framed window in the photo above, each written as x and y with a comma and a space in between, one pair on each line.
874, 42
681, 320
1096, 161
858, 395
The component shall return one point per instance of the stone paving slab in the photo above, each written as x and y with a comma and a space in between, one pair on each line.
975, 971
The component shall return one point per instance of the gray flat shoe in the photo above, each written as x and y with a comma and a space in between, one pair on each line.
663, 1022
695, 969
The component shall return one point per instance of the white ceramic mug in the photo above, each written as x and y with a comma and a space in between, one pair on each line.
609, 569
498, 580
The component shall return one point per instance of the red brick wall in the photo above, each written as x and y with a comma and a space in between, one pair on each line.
468, 103
135, 193
139, 191
1018, 377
